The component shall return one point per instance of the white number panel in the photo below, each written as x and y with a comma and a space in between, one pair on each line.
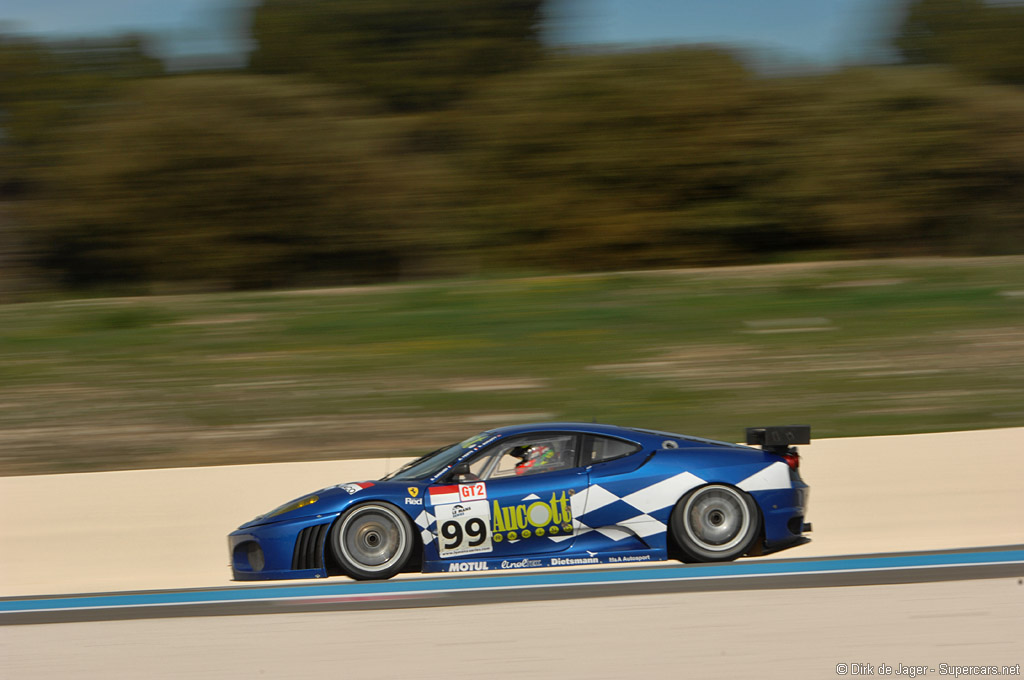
463, 528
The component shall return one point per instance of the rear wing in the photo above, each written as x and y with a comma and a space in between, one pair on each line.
779, 439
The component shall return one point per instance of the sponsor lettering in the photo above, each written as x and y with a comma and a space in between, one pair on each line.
630, 558
458, 510
537, 518
414, 501
520, 564
569, 561
467, 566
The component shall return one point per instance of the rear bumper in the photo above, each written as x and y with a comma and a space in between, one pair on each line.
784, 511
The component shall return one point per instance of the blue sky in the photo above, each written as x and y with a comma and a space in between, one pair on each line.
820, 31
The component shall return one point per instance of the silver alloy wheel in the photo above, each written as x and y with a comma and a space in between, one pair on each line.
372, 537
716, 518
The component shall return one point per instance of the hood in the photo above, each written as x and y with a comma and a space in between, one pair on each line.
335, 499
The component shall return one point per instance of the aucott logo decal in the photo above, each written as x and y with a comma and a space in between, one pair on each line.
525, 520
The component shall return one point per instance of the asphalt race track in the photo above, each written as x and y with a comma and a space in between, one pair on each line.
888, 586
769, 634
919, 567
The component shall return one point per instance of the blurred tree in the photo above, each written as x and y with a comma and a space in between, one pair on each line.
231, 181
618, 161
412, 54
983, 38
583, 162
45, 85
681, 157
903, 162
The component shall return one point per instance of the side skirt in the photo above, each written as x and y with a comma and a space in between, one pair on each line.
567, 559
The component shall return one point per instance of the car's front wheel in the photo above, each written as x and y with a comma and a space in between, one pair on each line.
715, 523
372, 541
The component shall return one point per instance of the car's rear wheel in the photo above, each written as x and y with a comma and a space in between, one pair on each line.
372, 541
715, 523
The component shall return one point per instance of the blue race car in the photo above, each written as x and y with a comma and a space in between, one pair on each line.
549, 494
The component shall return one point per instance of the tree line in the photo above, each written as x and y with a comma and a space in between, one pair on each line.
408, 138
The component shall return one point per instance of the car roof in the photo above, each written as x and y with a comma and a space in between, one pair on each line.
649, 437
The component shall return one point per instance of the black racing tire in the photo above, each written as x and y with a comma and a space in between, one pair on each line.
715, 523
372, 541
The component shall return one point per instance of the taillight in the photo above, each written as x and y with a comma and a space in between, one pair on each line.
792, 460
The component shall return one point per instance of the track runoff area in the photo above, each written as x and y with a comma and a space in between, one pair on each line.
552, 584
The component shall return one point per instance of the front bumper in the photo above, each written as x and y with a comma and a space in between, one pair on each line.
284, 550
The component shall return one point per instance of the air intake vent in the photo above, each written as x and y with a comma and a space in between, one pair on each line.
309, 548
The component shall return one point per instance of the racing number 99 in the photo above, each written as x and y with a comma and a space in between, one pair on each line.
475, 530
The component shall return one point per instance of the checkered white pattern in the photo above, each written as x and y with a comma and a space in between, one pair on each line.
423, 521
775, 476
616, 517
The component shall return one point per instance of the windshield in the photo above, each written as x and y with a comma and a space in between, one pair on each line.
435, 461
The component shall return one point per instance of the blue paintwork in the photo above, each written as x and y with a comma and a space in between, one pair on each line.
615, 531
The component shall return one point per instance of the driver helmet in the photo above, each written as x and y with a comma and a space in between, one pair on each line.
537, 455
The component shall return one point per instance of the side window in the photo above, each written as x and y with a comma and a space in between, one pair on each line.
531, 455
478, 466
600, 449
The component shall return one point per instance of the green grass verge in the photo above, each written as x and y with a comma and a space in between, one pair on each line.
855, 348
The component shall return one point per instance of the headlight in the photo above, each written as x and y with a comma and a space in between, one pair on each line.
294, 505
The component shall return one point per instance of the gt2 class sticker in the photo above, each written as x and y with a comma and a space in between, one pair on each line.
463, 528
473, 492
455, 493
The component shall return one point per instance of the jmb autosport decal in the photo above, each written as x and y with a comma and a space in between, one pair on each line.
472, 527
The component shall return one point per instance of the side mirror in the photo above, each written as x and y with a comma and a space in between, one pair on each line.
460, 473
